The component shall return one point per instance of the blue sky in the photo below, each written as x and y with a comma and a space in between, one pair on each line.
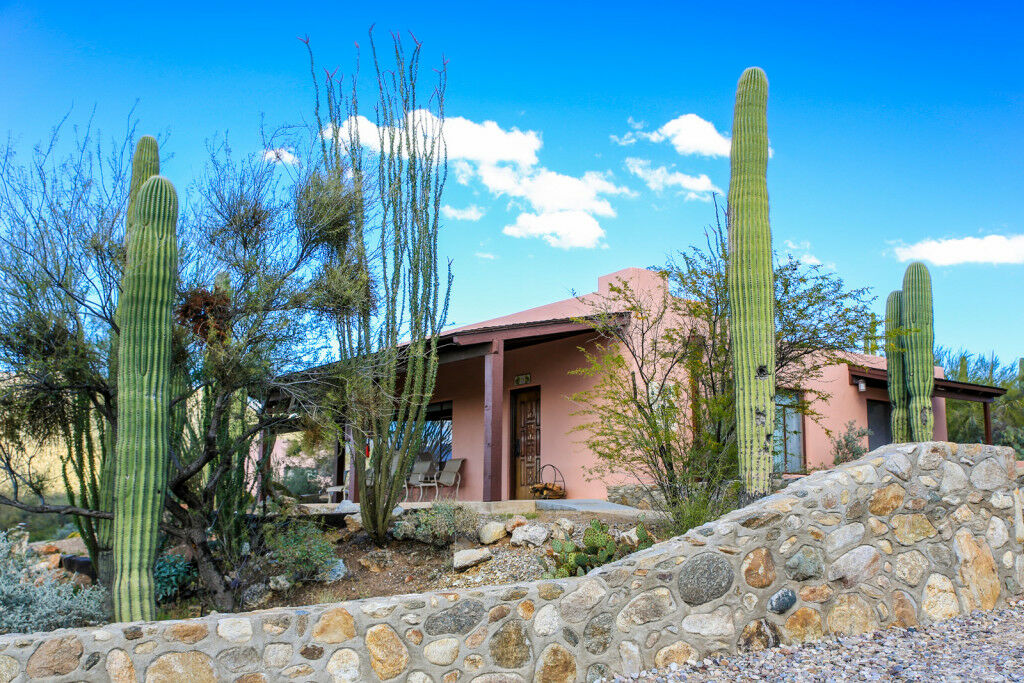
897, 128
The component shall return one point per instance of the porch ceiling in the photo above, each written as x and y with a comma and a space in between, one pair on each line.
944, 388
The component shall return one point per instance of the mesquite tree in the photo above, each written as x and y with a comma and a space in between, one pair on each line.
751, 296
398, 163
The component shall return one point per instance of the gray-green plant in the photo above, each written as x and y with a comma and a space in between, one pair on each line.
919, 368
144, 396
751, 291
895, 357
439, 525
849, 445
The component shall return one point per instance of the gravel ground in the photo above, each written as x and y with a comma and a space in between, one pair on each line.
982, 646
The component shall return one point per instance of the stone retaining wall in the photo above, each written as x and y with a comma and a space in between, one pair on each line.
909, 534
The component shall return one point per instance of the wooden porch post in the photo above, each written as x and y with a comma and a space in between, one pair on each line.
494, 381
986, 409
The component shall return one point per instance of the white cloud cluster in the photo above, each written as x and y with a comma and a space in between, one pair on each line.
953, 251
801, 251
280, 155
689, 134
470, 213
658, 179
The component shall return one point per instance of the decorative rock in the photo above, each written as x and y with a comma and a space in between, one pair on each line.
899, 464
819, 593
649, 606
911, 567
464, 559
629, 655
120, 668
442, 652
856, 566
55, 657
844, 537
717, 624
704, 577
498, 612
337, 572
516, 522
758, 568
476, 638
804, 625
510, 646
458, 619
851, 615
533, 534
886, 499
418, 677
878, 527
186, 632
782, 601
301, 670
597, 635
758, 635
997, 534
526, 609
9, 669
805, 564
235, 630
174, 667
940, 600
549, 591
977, 571
277, 654
492, 532
903, 610
1001, 500
953, 478
678, 653
577, 605
911, 529
280, 583
335, 626
343, 666
312, 652
556, 665
547, 621
388, 655
989, 474
238, 658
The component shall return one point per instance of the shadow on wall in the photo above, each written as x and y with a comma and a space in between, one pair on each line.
909, 534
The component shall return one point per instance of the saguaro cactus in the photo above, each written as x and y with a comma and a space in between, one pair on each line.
751, 283
145, 164
894, 357
919, 368
144, 381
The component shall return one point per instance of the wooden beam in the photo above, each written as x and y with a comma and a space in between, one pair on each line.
986, 409
494, 394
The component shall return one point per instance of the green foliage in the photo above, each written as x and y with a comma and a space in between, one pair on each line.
751, 295
298, 549
701, 504
439, 525
849, 445
895, 354
599, 548
918, 367
28, 605
964, 419
172, 574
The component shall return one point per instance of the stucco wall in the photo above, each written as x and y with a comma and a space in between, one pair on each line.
908, 535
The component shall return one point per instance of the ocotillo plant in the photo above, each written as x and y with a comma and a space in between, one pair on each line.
894, 357
145, 164
919, 368
144, 383
750, 282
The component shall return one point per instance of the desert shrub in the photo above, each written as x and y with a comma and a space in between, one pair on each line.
27, 605
298, 549
171, 574
849, 445
701, 504
567, 559
439, 525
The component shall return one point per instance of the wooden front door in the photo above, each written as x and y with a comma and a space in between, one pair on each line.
525, 441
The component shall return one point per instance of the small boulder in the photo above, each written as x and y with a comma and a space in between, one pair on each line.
532, 534
280, 583
492, 532
464, 559
337, 572
516, 522
346, 507
566, 525
354, 522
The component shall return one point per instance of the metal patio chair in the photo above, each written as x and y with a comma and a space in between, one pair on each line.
450, 475
423, 475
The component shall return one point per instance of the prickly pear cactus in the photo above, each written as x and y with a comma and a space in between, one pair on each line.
919, 368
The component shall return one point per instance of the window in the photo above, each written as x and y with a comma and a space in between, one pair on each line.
789, 433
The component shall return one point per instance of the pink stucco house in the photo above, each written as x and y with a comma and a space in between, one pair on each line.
503, 388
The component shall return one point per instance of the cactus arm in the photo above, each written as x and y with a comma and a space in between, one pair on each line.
919, 368
750, 283
895, 358
144, 384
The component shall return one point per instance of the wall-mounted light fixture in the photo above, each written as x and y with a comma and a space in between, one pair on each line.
862, 386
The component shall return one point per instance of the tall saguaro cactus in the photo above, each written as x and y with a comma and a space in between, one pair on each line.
144, 382
750, 282
919, 368
894, 357
145, 164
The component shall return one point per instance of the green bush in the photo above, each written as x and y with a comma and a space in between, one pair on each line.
598, 548
701, 504
171, 574
27, 605
849, 445
298, 549
439, 525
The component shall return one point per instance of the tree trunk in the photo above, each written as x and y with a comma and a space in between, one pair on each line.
209, 572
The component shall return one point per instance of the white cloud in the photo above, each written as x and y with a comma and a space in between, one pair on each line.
548, 191
470, 213
690, 134
486, 255
634, 124
280, 155
801, 251
696, 187
629, 138
953, 251
564, 229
